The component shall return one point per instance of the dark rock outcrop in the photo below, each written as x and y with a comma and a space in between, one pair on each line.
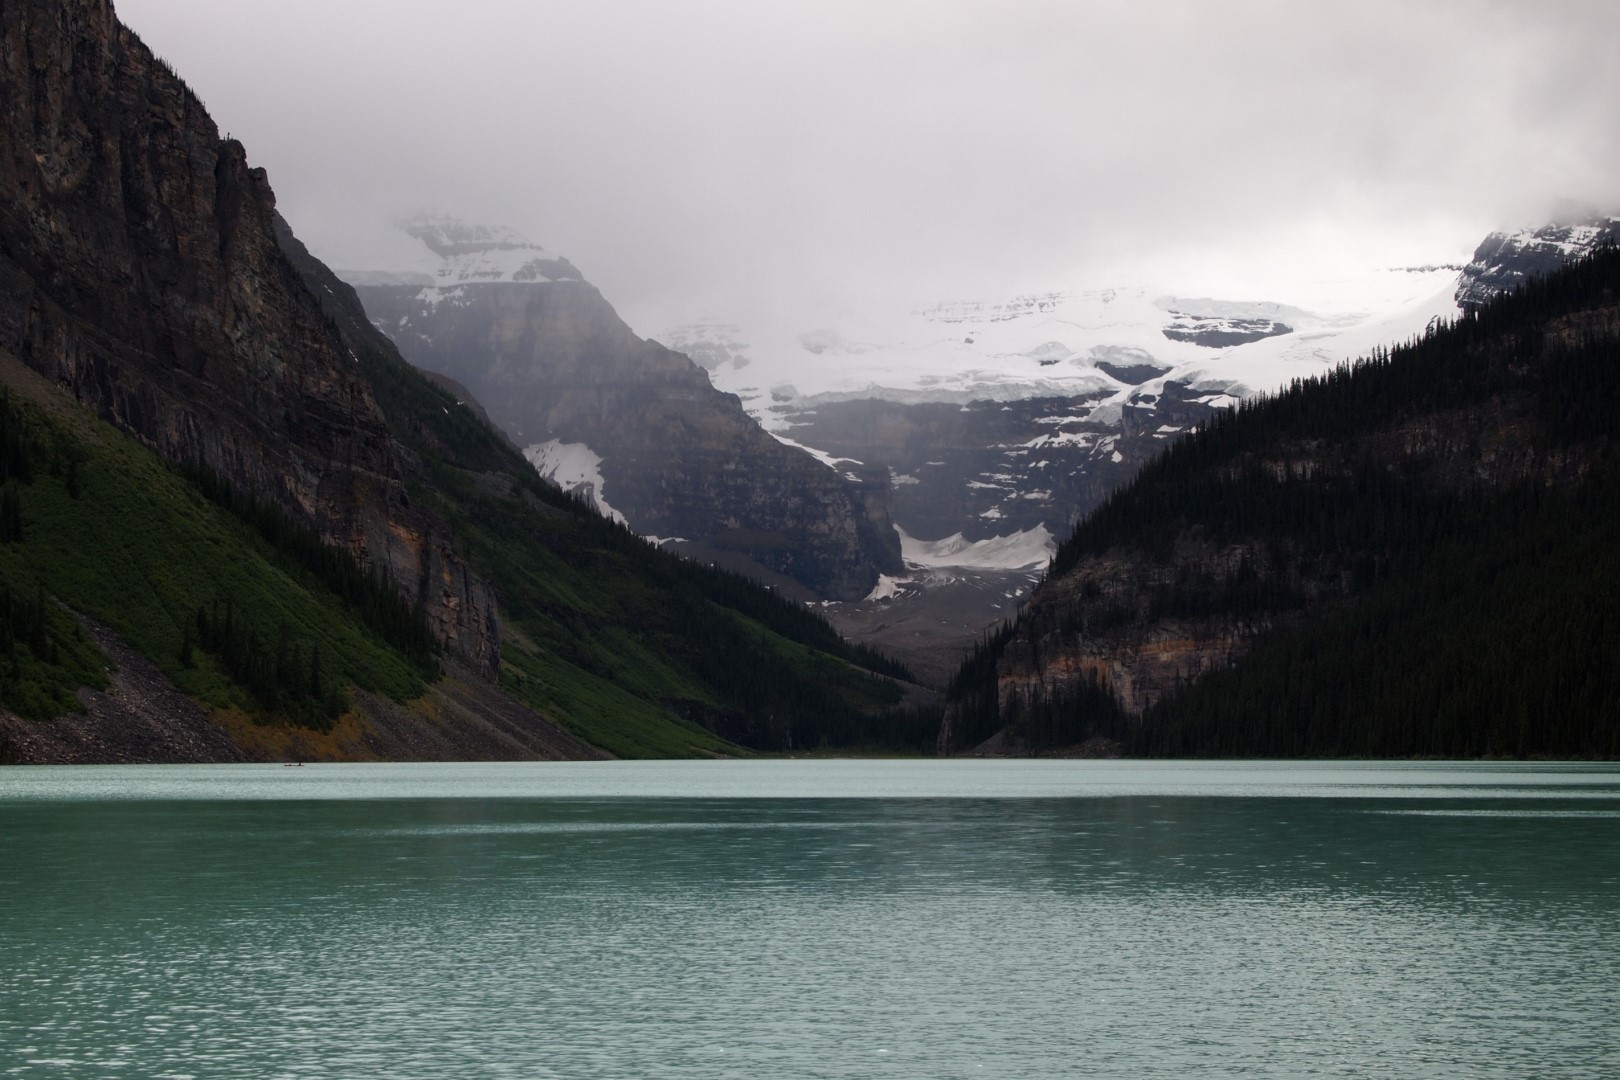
1222, 324
1132, 374
139, 268
1223, 333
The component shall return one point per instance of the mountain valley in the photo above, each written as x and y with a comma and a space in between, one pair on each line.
214, 461
999, 440
452, 505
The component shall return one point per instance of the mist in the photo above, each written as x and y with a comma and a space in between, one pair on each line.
755, 159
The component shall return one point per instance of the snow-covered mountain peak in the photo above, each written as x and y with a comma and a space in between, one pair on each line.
1569, 238
1062, 343
445, 252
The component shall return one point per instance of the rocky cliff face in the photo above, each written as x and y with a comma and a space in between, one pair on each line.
1504, 261
593, 404
139, 267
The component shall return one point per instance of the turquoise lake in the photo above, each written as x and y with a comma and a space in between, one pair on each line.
774, 919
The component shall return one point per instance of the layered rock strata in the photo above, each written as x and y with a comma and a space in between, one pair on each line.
139, 268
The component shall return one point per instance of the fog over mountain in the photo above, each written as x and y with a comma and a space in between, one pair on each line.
772, 162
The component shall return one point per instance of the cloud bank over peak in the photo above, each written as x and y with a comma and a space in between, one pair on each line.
729, 155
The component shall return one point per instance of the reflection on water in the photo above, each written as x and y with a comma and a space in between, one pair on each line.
1399, 933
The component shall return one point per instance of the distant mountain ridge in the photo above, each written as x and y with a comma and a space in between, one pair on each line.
453, 252
1013, 418
998, 417
563, 376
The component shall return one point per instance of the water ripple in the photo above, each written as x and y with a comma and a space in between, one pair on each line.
1148, 935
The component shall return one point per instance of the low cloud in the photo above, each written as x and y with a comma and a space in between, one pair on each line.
745, 157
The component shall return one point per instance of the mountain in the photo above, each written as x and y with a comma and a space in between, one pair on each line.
1504, 261
235, 523
1413, 555
636, 425
1007, 421
995, 417
1004, 422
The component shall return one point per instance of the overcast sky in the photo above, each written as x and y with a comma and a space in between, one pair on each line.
735, 156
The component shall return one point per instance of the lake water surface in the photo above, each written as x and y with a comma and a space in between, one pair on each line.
784, 919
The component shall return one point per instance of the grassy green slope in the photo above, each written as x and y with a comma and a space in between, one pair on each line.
634, 650
136, 546
602, 635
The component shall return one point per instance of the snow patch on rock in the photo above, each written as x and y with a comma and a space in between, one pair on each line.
887, 588
575, 468
822, 456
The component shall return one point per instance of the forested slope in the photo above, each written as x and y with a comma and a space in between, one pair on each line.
1413, 555
297, 648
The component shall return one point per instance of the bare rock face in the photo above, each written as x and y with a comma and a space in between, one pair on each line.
552, 362
1097, 622
1504, 261
990, 468
139, 268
